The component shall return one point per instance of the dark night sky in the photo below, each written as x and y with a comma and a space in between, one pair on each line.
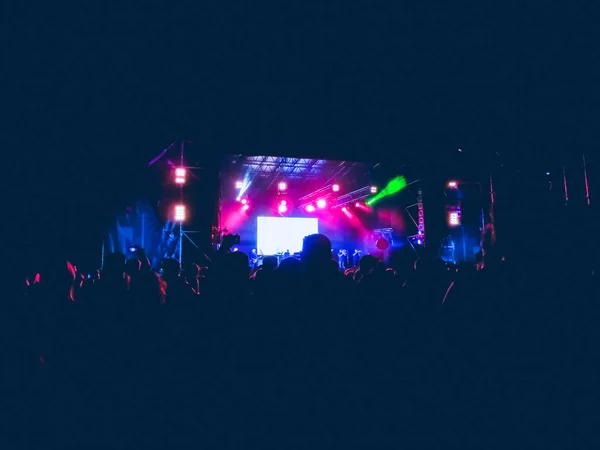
98, 90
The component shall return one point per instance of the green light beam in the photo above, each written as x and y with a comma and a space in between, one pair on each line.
393, 187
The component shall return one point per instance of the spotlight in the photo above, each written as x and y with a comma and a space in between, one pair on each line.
239, 184
344, 209
180, 175
179, 213
321, 203
244, 201
282, 186
419, 241
310, 208
373, 189
453, 219
452, 184
335, 188
363, 207
245, 207
282, 208
283, 202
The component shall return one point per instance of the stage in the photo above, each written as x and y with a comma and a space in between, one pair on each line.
273, 202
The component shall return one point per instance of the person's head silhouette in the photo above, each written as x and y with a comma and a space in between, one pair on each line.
316, 252
236, 267
170, 269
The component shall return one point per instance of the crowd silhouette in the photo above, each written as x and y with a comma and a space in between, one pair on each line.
301, 355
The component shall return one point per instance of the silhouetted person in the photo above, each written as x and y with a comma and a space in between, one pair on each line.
192, 276
177, 288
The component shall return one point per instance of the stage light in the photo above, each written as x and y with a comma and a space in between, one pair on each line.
239, 184
363, 207
321, 203
245, 207
453, 219
373, 189
244, 201
180, 175
283, 202
419, 241
310, 208
282, 208
282, 186
452, 184
179, 213
344, 209
335, 188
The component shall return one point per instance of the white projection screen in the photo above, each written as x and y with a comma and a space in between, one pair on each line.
278, 234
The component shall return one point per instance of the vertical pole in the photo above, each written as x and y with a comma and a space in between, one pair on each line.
181, 151
565, 186
421, 217
143, 230
464, 244
492, 194
587, 188
180, 242
102, 256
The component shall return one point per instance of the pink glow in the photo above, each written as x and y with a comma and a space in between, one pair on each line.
363, 207
234, 218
